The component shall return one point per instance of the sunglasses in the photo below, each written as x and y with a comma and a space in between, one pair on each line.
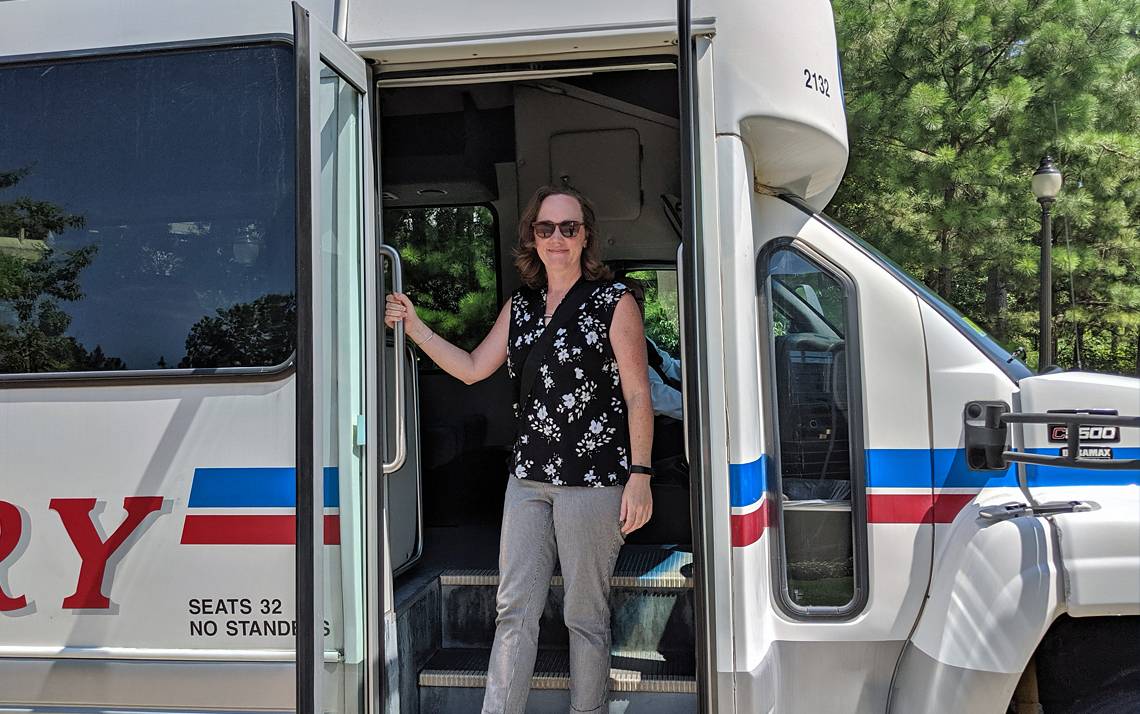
545, 229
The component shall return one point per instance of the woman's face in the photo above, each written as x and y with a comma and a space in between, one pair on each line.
559, 253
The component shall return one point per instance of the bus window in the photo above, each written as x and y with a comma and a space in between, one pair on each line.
662, 318
449, 258
808, 322
156, 231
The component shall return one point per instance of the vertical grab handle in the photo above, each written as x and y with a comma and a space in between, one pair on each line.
681, 321
401, 410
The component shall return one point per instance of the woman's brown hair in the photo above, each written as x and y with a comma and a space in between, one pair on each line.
530, 267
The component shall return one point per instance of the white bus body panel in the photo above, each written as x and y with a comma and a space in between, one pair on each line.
777, 74
775, 652
998, 586
37, 27
172, 598
992, 594
1100, 550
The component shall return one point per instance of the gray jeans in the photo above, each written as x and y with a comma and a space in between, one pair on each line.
580, 526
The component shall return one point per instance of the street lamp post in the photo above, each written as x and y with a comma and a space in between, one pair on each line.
1046, 185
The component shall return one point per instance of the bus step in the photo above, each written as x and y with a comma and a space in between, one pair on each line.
453, 681
651, 605
638, 566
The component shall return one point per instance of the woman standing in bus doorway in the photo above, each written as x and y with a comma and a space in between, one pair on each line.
574, 345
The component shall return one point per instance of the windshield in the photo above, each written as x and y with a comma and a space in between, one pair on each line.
147, 211
1002, 357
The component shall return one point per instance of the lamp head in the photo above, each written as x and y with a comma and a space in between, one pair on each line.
1046, 180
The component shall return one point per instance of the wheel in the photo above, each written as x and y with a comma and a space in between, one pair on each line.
1120, 697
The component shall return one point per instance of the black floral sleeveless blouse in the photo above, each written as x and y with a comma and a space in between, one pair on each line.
574, 430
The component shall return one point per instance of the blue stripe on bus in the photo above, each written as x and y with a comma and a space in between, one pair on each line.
911, 468
270, 487
1058, 476
747, 482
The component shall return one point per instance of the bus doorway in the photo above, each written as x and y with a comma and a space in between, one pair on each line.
458, 161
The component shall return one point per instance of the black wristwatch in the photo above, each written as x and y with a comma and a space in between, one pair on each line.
638, 469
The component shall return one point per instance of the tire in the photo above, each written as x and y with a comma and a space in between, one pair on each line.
1121, 697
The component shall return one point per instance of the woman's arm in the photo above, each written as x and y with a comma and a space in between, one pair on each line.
627, 336
469, 367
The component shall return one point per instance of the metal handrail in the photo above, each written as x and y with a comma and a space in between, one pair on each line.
401, 411
1072, 419
1072, 462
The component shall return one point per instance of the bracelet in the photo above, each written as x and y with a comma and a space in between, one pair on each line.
638, 469
421, 344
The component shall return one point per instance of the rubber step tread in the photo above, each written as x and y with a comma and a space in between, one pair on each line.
629, 671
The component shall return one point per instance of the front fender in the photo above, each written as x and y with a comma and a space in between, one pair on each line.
1100, 553
996, 588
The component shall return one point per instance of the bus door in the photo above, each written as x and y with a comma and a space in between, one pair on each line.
846, 470
343, 586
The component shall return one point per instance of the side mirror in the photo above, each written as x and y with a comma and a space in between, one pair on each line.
987, 436
986, 426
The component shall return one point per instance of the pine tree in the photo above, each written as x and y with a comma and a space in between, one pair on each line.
449, 268
951, 104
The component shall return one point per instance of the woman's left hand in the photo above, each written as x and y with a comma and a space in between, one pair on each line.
636, 503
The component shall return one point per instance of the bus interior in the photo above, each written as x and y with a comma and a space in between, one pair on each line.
458, 163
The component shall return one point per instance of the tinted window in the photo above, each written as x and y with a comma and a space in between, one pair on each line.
147, 211
808, 323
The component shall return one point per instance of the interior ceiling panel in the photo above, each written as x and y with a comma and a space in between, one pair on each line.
616, 191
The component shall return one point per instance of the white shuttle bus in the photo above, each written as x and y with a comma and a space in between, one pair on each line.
866, 505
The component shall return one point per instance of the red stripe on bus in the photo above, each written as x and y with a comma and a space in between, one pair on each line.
250, 530
915, 508
947, 506
748, 527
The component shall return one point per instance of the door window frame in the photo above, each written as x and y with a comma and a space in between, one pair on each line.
857, 445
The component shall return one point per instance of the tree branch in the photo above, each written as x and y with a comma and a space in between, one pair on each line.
900, 144
989, 67
1115, 152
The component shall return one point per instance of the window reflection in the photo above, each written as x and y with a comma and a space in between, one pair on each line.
147, 211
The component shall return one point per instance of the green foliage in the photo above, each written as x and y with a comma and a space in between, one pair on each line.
250, 334
449, 268
35, 281
662, 323
32, 331
951, 104
28, 219
834, 592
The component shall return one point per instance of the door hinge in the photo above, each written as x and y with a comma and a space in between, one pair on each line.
360, 431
